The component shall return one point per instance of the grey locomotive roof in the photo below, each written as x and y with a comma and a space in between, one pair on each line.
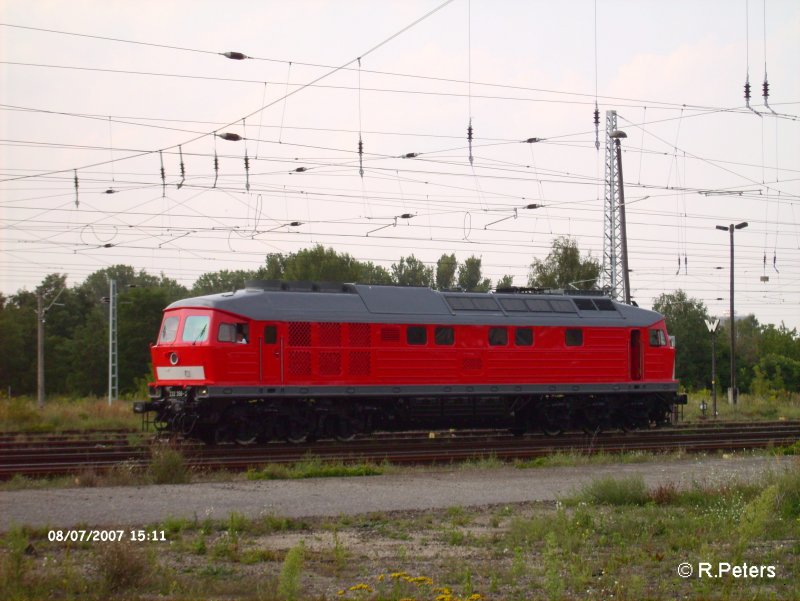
397, 304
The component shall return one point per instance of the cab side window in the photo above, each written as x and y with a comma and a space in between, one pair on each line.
232, 332
657, 338
226, 332
270, 334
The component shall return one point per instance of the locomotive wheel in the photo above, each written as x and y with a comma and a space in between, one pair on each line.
551, 429
244, 426
345, 432
246, 433
297, 431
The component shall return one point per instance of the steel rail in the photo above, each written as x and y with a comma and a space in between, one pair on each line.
405, 448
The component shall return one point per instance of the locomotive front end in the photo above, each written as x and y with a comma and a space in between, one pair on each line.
182, 366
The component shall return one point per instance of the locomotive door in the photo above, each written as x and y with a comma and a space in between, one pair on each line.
636, 355
271, 355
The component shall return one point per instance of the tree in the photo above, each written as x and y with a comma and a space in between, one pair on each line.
507, 281
470, 278
446, 272
780, 341
410, 271
685, 318
222, 281
564, 268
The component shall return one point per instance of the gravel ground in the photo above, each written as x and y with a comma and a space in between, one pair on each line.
316, 497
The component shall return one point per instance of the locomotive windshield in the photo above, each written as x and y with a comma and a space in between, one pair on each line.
169, 329
195, 328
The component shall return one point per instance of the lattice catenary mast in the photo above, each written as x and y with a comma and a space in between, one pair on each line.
612, 237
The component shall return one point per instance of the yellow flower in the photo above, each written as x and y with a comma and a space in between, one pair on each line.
421, 580
396, 575
444, 590
361, 587
381, 577
474, 597
341, 592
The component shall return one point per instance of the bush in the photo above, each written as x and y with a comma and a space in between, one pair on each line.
121, 566
168, 466
611, 491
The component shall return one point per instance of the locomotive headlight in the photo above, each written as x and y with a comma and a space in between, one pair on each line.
173, 358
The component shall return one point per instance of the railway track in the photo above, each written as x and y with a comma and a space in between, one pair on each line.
37, 455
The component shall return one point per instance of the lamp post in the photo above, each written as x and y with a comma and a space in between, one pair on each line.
733, 394
616, 135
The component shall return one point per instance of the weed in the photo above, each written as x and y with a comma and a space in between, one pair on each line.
314, 467
237, 523
664, 494
13, 565
612, 491
174, 525
789, 492
553, 582
121, 566
289, 579
251, 556
198, 547
339, 553
168, 466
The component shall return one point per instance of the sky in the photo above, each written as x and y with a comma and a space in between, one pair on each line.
109, 92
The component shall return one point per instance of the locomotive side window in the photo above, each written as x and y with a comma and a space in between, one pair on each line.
574, 337
226, 332
270, 334
195, 329
444, 336
523, 337
169, 329
416, 335
657, 338
498, 337
233, 332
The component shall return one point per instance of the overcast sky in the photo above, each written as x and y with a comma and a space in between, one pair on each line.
95, 105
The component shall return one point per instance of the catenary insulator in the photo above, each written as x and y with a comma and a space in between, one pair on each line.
230, 137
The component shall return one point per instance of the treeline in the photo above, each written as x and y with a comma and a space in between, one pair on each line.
767, 357
76, 324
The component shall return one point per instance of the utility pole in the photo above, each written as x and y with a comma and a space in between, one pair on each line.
40, 350
113, 364
41, 311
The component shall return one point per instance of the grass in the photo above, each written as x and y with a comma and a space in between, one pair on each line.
785, 406
314, 467
613, 538
21, 414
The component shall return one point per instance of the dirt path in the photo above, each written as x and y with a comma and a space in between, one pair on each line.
412, 489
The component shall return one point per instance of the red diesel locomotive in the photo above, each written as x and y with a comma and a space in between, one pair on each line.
300, 361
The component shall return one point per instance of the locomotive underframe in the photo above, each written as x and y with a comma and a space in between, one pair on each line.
250, 414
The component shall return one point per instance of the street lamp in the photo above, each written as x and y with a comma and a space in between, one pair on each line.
616, 135
733, 395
